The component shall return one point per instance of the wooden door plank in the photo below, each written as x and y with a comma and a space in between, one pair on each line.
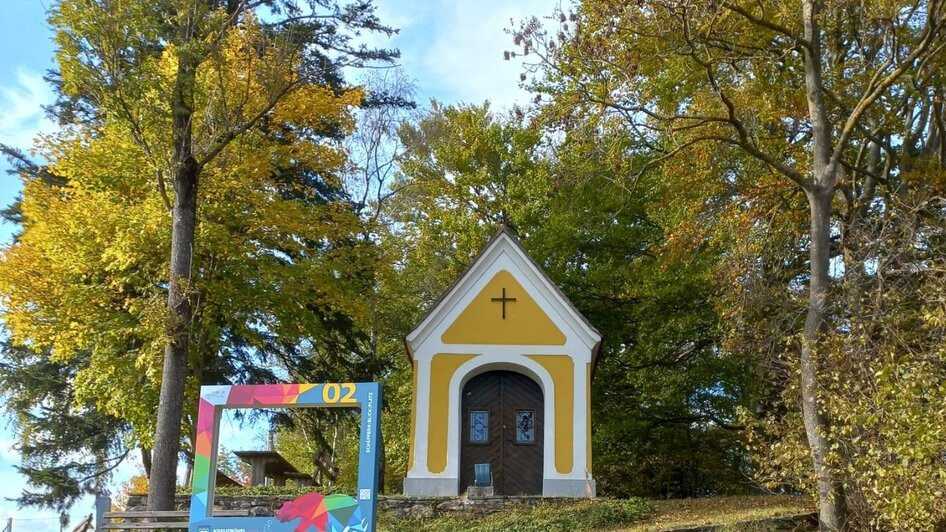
481, 392
522, 393
502, 392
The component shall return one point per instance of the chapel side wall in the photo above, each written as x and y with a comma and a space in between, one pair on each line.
429, 475
578, 482
413, 433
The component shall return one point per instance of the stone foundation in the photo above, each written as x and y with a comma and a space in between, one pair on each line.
268, 505
257, 505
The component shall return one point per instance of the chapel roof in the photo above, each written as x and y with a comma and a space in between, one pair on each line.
504, 232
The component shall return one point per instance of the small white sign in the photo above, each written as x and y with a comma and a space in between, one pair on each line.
364, 494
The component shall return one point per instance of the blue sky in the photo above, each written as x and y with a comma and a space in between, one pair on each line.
452, 49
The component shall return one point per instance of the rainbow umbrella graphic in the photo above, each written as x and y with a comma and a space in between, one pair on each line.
332, 513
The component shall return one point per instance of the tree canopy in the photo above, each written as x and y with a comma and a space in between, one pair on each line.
744, 197
85, 282
808, 126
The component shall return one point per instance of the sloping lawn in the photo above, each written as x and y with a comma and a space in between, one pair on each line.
626, 515
631, 515
682, 513
546, 517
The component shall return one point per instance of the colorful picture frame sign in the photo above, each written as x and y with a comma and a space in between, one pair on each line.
312, 512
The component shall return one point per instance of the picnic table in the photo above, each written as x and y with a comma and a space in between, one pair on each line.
270, 464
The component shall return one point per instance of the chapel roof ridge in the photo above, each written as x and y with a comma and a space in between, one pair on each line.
509, 232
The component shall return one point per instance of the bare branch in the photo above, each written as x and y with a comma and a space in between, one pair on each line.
246, 126
877, 88
762, 21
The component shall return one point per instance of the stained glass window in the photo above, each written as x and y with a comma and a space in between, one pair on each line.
525, 426
479, 426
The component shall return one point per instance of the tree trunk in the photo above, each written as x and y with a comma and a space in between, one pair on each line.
167, 437
146, 461
830, 494
819, 191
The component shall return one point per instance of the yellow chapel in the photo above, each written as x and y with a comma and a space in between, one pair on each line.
502, 368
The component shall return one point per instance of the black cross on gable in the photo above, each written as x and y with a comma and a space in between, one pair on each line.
503, 300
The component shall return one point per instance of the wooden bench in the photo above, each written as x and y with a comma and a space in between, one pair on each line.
156, 520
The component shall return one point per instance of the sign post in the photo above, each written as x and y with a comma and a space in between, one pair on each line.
312, 512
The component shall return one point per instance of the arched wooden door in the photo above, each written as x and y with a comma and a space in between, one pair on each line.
502, 422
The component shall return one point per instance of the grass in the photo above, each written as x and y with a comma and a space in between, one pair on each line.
630, 515
730, 512
276, 491
545, 517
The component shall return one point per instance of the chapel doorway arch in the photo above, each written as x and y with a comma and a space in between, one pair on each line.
502, 423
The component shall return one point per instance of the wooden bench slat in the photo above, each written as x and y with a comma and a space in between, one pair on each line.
147, 515
131, 520
172, 513
145, 525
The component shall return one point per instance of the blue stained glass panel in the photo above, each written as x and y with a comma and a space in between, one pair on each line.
479, 426
525, 426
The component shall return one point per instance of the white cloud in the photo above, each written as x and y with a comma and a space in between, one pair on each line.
401, 17
7, 450
454, 49
465, 56
21, 113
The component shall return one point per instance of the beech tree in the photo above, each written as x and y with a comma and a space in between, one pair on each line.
179, 87
816, 93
